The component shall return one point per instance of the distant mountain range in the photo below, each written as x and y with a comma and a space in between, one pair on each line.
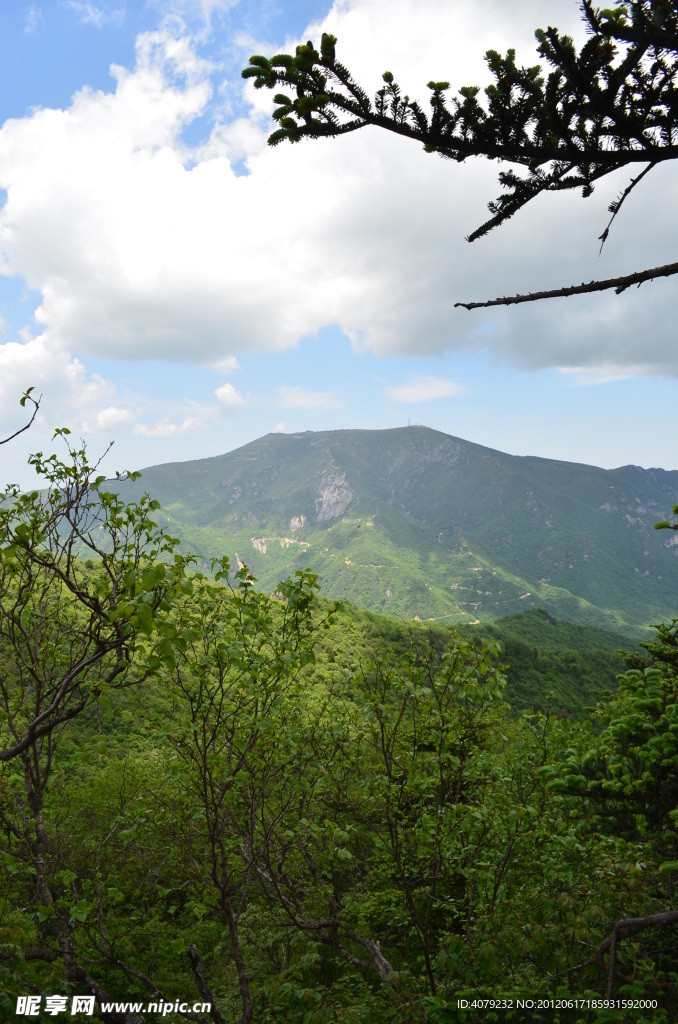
414, 523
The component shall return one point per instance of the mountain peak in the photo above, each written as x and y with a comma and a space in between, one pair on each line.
415, 522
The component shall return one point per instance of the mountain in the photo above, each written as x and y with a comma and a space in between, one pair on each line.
556, 665
416, 523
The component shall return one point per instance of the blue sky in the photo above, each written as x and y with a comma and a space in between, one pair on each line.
170, 283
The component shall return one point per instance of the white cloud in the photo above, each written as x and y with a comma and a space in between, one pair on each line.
226, 365
37, 364
96, 15
71, 397
164, 427
34, 19
202, 10
424, 389
279, 428
301, 398
228, 396
113, 416
588, 376
144, 248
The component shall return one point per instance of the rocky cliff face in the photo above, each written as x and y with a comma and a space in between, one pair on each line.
335, 495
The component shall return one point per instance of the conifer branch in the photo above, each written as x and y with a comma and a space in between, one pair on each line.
569, 120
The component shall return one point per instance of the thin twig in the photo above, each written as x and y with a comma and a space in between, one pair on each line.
616, 206
36, 403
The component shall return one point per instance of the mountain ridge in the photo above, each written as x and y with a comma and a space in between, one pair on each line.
415, 522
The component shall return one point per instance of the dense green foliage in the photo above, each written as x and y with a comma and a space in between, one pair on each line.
302, 813
549, 665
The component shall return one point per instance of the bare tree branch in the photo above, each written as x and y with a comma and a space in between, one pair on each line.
204, 989
621, 930
620, 284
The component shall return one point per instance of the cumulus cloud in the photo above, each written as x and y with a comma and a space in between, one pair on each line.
424, 389
226, 365
70, 397
144, 247
35, 363
112, 416
228, 396
292, 397
164, 427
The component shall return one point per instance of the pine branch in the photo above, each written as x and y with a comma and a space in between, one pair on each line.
611, 104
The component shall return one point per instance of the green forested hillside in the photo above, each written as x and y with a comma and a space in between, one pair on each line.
355, 839
566, 671
549, 665
537, 628
222, 804
415, 523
